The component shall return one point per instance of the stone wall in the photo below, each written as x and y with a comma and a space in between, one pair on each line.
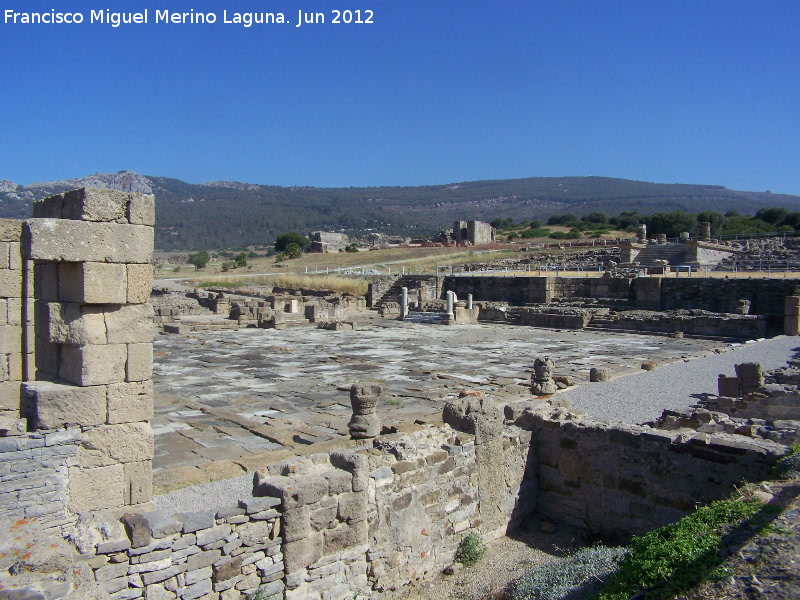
766, 296
33, 477
16, 317
94, 329
618, 480
382, 517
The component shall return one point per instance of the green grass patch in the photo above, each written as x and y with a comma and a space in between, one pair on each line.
674, 558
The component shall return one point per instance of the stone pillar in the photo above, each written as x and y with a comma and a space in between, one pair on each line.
469, 301
662, 238
685, 236
705, 231
751, 377
364, 422
542, 383
94, 331
403, 302
450, 303
16, 319
642, 233
791, 318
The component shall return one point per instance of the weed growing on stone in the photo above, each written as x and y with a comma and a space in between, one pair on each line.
676, 557
470, 550
789, 466
578, 576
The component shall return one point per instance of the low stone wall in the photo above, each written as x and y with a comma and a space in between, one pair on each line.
770, 407
745, 327
566, 318
34, 477
223, 554
618, 480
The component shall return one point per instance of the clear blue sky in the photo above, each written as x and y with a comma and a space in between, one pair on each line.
434, 91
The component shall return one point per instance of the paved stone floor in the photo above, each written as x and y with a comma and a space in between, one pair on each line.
228, 401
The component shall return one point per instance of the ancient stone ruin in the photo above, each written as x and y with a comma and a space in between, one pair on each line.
368, 512
364, 423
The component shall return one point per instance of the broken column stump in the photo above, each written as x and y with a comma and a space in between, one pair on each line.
365, 423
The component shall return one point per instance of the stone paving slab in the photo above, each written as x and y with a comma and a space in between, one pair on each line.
232, 396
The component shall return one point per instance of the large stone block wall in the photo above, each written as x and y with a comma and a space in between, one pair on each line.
91, 251
16, 318
766, 296
619, 480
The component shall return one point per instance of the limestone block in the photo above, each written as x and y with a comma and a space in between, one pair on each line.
14, 368
140, 283
76, 241
93, 204
4, 367
792, 305
4, 264
140, 362
57, 404
130, 324
596, 374
14, 256
92, 283
130, 402
353, 507
296, 523
121, 443
18, 310
71, 324
10, 339
45, 281
4, 312
302, 553
49, 208
11, 283
10, 230
141, 209
791, 325
9, 395
96, 489
47, 357
728, 387
138, 482
93, 365
345, 536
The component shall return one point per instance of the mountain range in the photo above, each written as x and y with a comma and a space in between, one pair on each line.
229, 214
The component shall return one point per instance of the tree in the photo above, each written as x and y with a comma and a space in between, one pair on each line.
566, 219
240, 260
352, 247
199, 259
293, 251
292, 237
772, 215
596, 217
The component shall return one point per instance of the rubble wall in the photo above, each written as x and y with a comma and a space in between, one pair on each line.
619, 480
34, 477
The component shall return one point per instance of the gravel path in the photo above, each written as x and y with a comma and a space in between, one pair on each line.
644, 395
207, 496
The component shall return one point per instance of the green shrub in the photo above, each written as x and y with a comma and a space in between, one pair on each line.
676, 557
470, 550
579, 575
789, 466
535, 233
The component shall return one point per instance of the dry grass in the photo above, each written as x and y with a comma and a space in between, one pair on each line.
355, 285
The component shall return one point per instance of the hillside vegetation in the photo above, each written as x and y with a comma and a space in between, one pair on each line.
235, 215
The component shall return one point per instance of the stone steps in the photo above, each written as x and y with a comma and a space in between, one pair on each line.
434, 318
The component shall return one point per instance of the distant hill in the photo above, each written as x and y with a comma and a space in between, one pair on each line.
227, 214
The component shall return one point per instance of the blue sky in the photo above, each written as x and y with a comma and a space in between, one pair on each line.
434, 91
